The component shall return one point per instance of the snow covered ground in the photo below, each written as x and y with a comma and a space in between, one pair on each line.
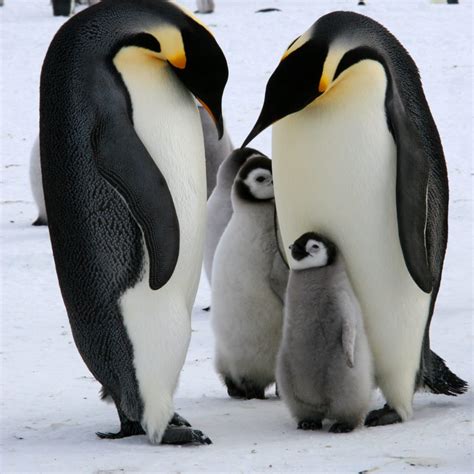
50, 407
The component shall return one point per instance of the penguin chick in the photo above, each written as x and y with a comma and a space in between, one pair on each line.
246, 313
324, 367
219, 206
37, 184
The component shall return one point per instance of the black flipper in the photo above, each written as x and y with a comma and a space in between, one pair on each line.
413, 168
125, 163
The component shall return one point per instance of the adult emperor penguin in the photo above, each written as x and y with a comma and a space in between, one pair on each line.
357, 157
123, 167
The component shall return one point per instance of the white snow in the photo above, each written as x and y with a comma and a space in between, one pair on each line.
50, 405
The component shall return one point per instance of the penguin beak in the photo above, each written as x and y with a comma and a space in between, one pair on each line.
292, 86
205, 72
298, 252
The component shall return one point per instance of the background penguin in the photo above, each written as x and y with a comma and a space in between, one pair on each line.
216, 150
367, 169
123, 166
63, 7
324, 365
246, 313
219, 206
36, 183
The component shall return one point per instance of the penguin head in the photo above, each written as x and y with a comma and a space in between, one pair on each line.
162, 31
312, 250
254, 182
318, 60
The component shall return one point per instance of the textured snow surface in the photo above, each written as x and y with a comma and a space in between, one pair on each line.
50, 405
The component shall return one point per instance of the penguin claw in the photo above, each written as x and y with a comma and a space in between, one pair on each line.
179, 435
382, 416
310, 425
178, 420
341, 428
129, 428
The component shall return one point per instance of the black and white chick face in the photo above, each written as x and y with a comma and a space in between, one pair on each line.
254, 181
312, 250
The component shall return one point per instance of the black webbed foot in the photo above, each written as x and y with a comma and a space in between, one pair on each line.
184, 435
310, 425
252, 391
341, 428
178, 420
233, 390
128, 428
383, 416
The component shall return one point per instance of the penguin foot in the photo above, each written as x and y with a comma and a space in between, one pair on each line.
184, 435
178, 420
232, 389
383, 416
341, 428
310, 425
128, 428
252, 391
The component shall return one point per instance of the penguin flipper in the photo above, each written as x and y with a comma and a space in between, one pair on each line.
413, 166
125, 163
348, 328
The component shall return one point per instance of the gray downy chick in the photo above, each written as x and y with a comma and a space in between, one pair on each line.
247, 316
219, 206
324, 367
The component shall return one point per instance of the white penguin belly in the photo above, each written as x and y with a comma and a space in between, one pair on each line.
158, 322
334, 168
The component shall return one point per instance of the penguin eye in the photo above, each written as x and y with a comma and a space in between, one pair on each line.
260, 179
315, 247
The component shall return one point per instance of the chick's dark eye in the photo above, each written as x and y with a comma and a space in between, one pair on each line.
315, 247
260, 179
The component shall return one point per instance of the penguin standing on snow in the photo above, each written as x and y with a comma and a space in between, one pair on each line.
246, 314
324, 365
219, 206
356, 155
123, 166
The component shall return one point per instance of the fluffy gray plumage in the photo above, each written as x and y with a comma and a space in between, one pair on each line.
324, 367
246, 313
219, 206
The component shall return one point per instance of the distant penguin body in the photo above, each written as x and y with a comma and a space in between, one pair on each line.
219, 205
367, 170
37, 184
216, 150
123, 168
324, 367
246, 313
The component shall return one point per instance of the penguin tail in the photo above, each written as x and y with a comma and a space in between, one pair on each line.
40, 221
440, 380
105, 395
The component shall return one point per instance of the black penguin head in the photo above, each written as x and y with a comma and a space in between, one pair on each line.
181, 40
315, 62
312, 250
254, 182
